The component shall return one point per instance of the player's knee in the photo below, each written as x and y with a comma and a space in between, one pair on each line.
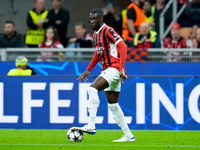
92, 91
93, 97
113, 106
116, 110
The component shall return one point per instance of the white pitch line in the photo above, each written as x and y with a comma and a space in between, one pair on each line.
4, 144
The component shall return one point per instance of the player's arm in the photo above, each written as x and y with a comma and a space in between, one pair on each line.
93, 63
122, 50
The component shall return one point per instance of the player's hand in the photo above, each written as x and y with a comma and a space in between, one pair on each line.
83, 76
123, 75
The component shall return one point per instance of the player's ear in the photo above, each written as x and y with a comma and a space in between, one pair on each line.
101, 18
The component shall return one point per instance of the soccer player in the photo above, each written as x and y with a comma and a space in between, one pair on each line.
111, 52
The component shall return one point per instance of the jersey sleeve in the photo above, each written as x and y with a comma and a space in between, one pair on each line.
122, 51
94, 61
113, 36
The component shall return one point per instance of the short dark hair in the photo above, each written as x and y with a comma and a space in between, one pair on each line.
9, 22
80, 24
98, 11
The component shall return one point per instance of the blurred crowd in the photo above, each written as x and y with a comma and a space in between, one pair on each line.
138, 25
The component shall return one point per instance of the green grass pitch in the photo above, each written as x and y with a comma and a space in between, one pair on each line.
11, 139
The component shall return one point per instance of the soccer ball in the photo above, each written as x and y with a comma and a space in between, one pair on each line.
74, 135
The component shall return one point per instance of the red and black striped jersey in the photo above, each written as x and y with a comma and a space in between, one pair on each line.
106, 40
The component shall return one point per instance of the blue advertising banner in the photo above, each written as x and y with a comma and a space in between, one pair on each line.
60, 102
132, 68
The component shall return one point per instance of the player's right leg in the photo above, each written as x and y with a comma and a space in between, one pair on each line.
93, 104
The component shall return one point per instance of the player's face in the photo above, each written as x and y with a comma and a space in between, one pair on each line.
95, 21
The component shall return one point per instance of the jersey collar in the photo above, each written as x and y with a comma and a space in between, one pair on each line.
100, 28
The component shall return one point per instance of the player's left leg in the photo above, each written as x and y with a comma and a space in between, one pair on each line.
118, 116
